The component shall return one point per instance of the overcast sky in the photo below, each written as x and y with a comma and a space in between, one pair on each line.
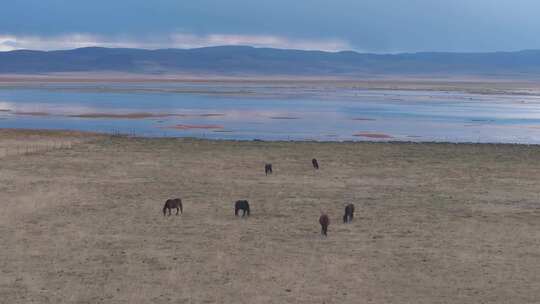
380, 26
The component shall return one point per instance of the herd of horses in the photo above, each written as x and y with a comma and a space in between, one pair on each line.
243, 205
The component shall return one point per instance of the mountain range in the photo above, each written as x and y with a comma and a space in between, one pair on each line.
245, 60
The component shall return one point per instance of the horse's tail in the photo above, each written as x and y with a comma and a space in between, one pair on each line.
236, 210
345, 218
180, 206
165, 209
247, 210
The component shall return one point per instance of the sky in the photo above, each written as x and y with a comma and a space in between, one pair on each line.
375, 26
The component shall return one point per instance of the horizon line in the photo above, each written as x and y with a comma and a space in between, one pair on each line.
267, 48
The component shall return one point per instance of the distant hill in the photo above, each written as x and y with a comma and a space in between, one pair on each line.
242, 60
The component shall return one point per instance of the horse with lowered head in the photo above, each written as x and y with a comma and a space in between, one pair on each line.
268, 169
241, 205
349, 213
315, 164
173, 204
324, 221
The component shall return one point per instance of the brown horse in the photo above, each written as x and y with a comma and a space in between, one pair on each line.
349, 213
173, 204
315, 163
324, 221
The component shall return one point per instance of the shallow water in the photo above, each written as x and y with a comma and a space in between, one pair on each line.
234, 111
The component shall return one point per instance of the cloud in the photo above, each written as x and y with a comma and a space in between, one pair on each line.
176, 40
11, 42
262, 41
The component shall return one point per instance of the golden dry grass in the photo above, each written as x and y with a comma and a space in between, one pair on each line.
24, 142
435, 223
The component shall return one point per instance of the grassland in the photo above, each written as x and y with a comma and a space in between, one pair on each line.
81, 222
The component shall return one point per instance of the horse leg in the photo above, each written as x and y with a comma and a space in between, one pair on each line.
177, 210
169, 211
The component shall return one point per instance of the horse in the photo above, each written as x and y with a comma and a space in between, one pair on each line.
324, 221
173, 204
268, 169
315, 164
349, 213
241, 205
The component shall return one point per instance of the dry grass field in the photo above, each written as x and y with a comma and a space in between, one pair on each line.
434, 223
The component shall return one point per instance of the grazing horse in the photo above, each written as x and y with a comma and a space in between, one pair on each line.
349, 213
241, 205
173, 204
268, 169
324, 221
315, 163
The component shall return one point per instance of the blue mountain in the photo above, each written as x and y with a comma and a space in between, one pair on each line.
244, 60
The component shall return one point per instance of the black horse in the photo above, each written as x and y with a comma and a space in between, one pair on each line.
349, 213
241, 205
173, 204
268, 169
315, 163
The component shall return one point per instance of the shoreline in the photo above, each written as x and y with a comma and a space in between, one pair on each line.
464, 84
69, 132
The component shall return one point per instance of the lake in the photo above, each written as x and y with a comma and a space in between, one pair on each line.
272, 112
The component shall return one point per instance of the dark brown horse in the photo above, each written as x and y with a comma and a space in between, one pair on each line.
324, 221
173, 204
268, 169
349, 213
241, 205
315, 163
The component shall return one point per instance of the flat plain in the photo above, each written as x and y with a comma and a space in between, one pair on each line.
81, 221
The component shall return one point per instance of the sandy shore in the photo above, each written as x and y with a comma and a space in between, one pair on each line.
101, 82
81, 222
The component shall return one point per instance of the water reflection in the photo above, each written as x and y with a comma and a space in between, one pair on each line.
270, 113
